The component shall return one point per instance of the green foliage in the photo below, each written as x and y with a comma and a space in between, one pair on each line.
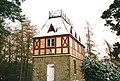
112, 16
10, 9
95, 70
116, 50
3, 31
10, 71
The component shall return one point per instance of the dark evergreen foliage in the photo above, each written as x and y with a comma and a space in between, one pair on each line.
10, 71
112, 18
116, 51
10, 9
95, 70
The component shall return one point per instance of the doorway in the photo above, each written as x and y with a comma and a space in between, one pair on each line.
50, 72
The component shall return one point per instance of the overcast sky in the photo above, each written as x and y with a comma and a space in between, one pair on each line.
77, 11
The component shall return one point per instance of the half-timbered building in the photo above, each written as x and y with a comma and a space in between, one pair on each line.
57, 50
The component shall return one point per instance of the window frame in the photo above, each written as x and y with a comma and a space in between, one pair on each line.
50, 42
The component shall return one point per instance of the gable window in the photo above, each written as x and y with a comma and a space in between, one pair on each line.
50, 42
71, 30
75, 34
51, 28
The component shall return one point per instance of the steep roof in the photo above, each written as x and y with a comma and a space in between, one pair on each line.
57, 24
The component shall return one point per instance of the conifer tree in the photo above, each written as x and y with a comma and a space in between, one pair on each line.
112, 18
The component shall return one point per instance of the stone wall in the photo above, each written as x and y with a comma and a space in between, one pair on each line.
63, 65
78, 76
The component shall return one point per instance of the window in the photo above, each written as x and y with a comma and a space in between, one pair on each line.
73, 44
78, 49
51, 28
74, 66
71, 30
79, 39
50, 42
75, 34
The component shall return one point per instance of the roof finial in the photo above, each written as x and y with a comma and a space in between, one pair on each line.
59, 13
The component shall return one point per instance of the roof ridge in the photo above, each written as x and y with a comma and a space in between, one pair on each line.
65, 25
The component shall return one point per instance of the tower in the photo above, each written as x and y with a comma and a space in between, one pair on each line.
57, 50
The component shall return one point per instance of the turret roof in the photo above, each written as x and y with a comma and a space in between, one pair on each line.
57, 24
